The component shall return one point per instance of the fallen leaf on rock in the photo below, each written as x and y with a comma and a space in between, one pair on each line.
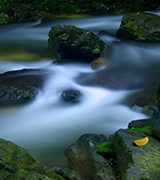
141, 142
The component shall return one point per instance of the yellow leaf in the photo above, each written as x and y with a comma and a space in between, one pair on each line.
141, 142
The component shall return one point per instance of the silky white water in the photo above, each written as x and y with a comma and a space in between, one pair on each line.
47, 126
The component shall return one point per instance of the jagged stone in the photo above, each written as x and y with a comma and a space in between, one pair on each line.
84, 159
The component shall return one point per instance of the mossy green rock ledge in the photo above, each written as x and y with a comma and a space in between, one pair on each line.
139, 26
71, 42
136, 162
17, 163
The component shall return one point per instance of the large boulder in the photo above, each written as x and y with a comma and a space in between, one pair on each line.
136, 162
17, 163
84, 159
139, 26
20, 86
71, 42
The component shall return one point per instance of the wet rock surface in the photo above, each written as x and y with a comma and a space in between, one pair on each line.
71, 42
17, 163
136, 162
139, 26
112, 79
84, 159
71, 95
20, 86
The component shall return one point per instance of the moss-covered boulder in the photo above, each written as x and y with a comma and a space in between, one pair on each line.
20, 86
17, 163
136, 162
84, 159
71, 42
139, 26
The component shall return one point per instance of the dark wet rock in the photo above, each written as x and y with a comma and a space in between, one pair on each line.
158, 97
20, 86
71, 95
84, 159
156, 128
17, 163
141, 123
112, 79
71, 42
136, 162
68, 174
139, 26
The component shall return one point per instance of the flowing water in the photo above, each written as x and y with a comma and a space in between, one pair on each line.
47, 126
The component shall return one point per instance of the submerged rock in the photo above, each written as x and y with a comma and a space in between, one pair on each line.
17, 163
112, 79
139, 26
71, 42
19, 86
136, 162
71, 95
97, 63
84, 159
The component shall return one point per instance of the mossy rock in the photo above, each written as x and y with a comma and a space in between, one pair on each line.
17, 163
139, 26
71, 42
136, 162
84, 159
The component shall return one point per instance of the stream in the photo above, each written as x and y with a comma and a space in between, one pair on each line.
47, 126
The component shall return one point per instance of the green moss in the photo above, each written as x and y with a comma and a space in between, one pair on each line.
105, 147
144, 110
145, 130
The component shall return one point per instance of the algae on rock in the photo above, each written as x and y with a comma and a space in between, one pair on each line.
71, 42
136, 162
139, 26
17, 163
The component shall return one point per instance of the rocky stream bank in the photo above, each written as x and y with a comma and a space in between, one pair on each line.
92, 156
